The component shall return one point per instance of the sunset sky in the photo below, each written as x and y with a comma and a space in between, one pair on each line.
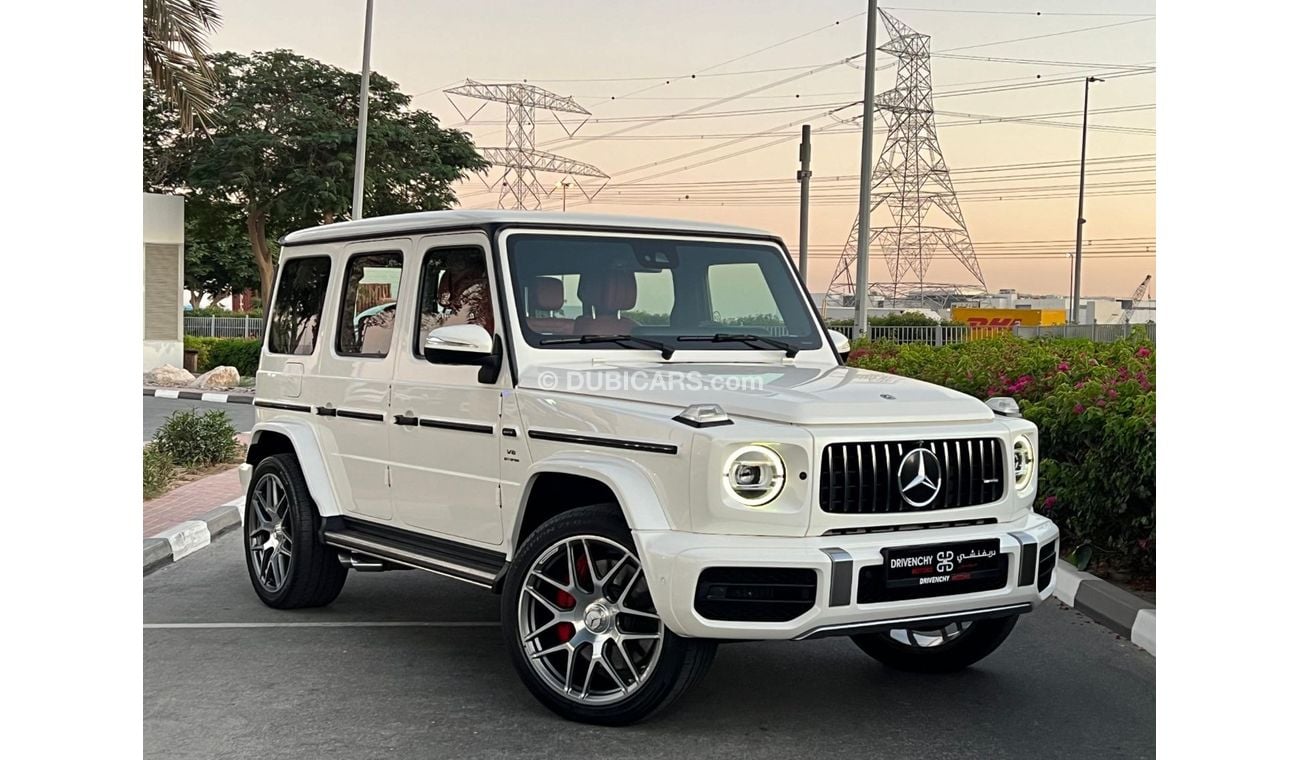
631, 65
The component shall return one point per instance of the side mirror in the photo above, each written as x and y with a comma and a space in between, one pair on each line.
840, 342
465, 345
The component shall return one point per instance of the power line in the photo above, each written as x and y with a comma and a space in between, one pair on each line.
911, 9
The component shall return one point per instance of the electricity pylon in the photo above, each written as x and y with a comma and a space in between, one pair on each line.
911, 180
520, 157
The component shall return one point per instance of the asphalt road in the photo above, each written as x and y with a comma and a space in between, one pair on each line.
280, 684
156, 411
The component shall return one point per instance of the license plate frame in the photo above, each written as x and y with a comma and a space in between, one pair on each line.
952, 567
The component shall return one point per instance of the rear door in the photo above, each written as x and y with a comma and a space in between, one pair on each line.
443, 441
356, 372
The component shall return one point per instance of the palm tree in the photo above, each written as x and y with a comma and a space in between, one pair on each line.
175, 53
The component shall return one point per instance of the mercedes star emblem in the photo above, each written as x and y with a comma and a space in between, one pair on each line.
919, 477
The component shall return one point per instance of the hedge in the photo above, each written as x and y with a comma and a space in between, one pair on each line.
1095, 407
241, 353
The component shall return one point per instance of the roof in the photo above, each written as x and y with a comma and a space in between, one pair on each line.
422, 221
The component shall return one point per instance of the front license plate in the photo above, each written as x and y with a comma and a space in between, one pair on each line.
943, 568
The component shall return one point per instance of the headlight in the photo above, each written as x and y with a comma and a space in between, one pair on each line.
1022, 452
754, 475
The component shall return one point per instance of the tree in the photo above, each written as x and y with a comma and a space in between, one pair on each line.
282, 143
218, 259
175, 54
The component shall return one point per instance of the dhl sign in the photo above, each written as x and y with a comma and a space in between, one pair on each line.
1005, 319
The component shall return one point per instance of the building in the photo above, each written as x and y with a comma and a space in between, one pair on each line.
164, 275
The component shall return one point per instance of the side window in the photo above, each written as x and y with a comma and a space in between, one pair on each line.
453, 291
369, 304
299, 299
740, 297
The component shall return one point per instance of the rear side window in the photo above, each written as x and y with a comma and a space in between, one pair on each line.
299, 299
369, 305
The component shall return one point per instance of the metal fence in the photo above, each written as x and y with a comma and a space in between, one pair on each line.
224, 327
939, 335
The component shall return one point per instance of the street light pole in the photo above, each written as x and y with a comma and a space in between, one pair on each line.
805, 179
862, 290
363, 115
564, 194
1078, 232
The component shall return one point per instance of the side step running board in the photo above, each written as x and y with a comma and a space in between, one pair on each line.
408, 553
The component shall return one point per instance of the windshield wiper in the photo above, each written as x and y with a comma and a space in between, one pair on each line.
663, 350
755, 341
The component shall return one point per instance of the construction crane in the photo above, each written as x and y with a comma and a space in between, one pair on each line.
1137, 296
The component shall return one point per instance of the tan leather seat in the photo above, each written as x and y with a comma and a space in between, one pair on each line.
607, 293
547, 294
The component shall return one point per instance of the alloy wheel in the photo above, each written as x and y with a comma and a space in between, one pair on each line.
586, 621
270, 533
931, 637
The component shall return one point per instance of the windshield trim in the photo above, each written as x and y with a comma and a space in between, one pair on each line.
818, 337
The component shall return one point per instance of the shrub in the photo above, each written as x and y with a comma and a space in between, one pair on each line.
196, 440
159, 471
241, 353
1094, 404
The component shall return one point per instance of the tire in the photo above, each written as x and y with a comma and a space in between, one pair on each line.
609, 610
938, 651
289, 566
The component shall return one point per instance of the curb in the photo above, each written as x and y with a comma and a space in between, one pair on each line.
188, 537
1130, 616
219, 398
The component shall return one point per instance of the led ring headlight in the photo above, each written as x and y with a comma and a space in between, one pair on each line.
1022, 452
754, 475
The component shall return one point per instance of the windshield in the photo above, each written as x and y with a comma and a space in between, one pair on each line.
675, 292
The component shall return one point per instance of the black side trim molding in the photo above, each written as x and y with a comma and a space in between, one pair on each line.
613, 443
355, 415
281, 405
467, 427
848, 629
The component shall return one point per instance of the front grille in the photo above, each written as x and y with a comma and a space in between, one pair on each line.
862, 478
1046, 564
765, 594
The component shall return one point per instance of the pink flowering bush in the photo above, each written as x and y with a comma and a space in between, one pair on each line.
1095, 407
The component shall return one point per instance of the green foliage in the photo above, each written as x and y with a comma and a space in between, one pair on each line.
1095, 407
279, 153
243, 354
192, 439
159, 471
218, 257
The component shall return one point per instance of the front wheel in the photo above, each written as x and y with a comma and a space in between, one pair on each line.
937, 650
582, 629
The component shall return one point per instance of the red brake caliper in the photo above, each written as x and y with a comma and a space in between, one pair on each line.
565, 600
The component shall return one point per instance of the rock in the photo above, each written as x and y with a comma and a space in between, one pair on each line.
168, 375
217, 378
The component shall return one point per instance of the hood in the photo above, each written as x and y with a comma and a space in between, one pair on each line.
801, 395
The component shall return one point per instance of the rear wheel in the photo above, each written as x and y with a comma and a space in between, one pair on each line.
582, 630
937, 650
288, 564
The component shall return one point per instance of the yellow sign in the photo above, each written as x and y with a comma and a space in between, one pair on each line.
1005, 319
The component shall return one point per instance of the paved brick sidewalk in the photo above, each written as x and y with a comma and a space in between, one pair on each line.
190, 501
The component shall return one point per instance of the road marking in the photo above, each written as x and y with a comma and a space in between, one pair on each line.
329, 624
160, 393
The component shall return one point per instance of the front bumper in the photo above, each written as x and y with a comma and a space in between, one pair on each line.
674, 560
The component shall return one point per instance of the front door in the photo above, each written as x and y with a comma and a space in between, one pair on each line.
443, 441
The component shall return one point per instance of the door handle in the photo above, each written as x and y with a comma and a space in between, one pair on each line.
402, 419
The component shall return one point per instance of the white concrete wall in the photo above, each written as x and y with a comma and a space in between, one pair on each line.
164, 223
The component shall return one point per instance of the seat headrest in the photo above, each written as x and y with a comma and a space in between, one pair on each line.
608, 291
548, 293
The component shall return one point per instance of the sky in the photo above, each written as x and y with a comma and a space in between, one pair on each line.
705, 99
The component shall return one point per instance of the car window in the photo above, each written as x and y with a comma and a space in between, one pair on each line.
454, 290
369, 304
299, 300
740, 298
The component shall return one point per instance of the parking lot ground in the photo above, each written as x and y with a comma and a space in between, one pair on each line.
407, 664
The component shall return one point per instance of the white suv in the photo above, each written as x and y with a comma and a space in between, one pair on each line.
640, 435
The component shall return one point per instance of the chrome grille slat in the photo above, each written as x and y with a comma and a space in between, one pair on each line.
973, 472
